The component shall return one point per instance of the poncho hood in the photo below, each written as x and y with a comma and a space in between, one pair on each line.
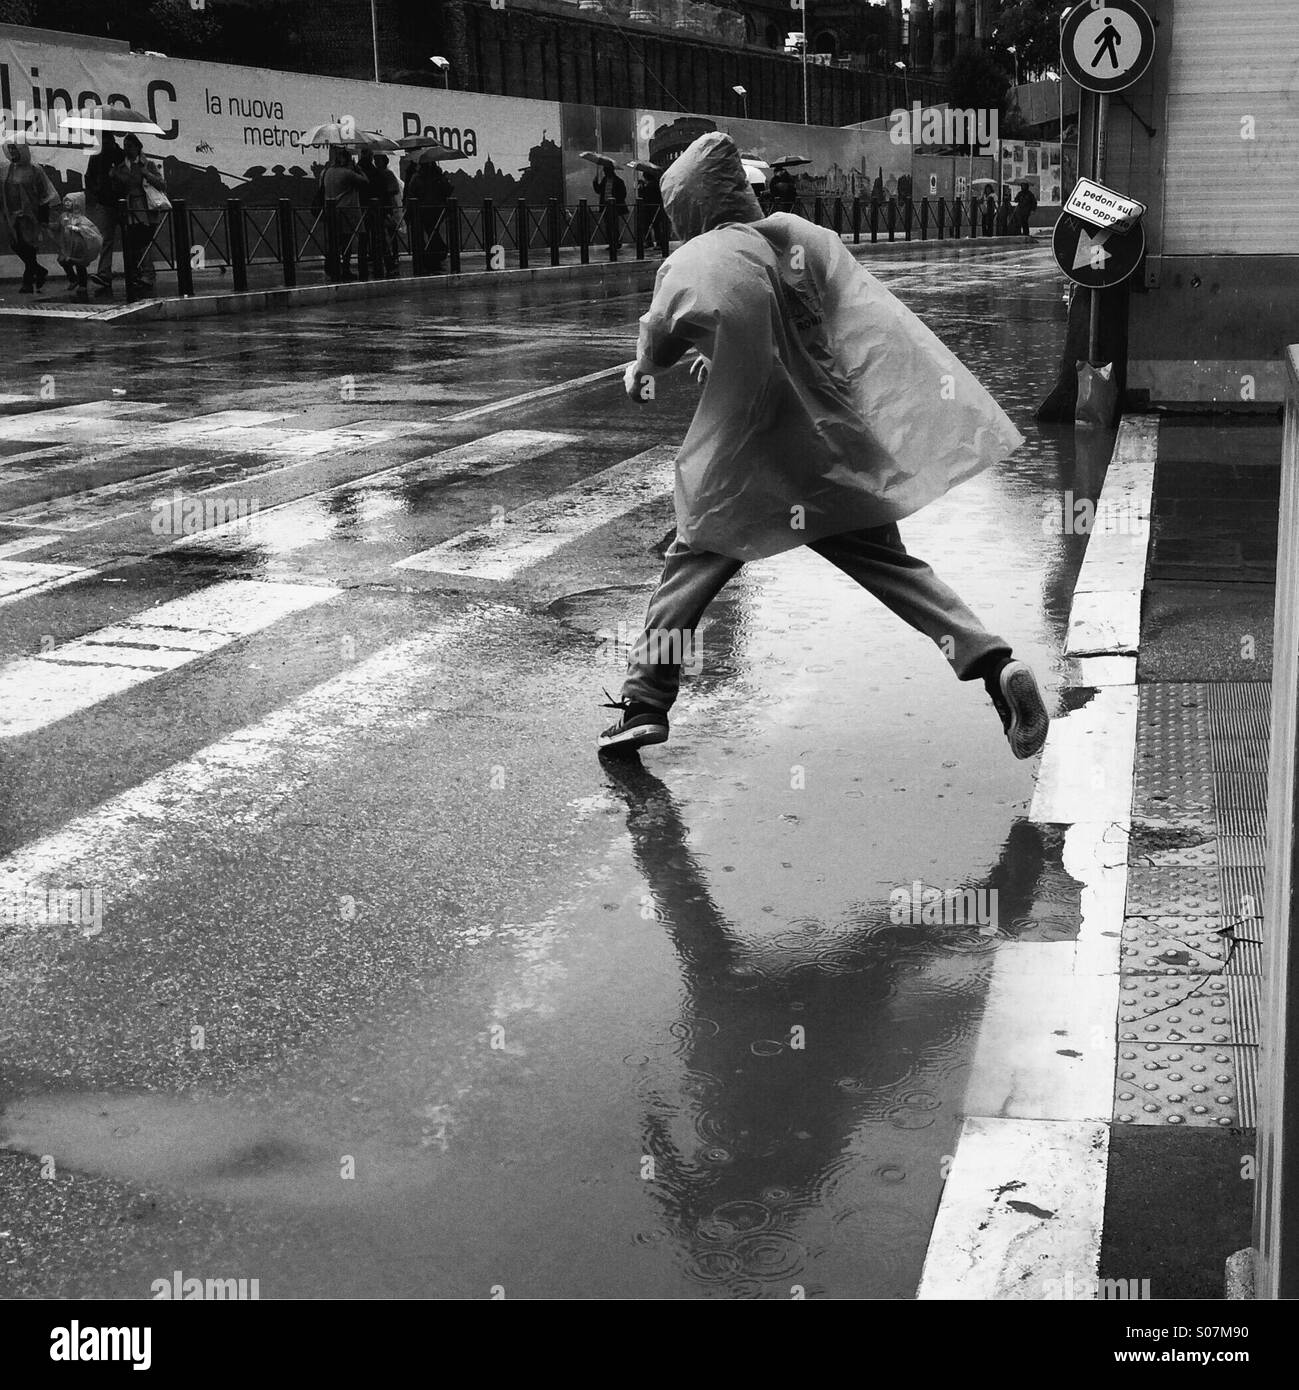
707, 187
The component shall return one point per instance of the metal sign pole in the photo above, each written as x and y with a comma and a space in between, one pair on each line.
1101, 109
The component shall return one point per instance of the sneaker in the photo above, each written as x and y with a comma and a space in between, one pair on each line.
1019, 702
641, 724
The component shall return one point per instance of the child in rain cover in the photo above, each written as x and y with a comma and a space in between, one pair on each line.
80, 243
829, 412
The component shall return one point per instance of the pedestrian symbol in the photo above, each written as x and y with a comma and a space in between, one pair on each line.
1105, 45
1108, 42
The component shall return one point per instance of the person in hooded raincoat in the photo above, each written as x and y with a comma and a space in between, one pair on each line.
829, 412
26, 199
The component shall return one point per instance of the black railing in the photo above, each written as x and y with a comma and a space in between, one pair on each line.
437, 239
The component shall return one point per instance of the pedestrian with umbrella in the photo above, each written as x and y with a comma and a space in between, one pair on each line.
651, 218
782, 190
102, 192
428, 191
822, 423
611, 192
145, 195
101, 205
28, 197
342, 183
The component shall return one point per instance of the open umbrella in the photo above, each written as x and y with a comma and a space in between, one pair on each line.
975, 183
439, 154
602, 160
643, 166
789, 161
117, 119
349, 135
756, 170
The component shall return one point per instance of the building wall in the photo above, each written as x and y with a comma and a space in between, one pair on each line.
536, 54
1204, 325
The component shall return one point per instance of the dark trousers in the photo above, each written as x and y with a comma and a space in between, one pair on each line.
874, 557
24, 240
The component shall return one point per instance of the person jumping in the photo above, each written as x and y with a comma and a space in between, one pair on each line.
829, 411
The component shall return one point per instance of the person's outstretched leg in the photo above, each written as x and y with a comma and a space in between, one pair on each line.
878, 561
690, 581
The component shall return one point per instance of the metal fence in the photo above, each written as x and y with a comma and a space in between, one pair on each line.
433, 240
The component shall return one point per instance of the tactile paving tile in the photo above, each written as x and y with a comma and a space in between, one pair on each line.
1243, 993
1191, 856
1239, 850
1175, 1009
1173, 946
1177, 1084
1175, 892
1241, 755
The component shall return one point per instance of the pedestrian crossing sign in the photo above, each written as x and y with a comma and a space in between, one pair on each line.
1106, 45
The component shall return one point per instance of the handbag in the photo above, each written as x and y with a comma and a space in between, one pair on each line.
155, 199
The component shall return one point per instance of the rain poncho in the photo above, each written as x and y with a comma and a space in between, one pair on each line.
26, 192
829, 406
80, 241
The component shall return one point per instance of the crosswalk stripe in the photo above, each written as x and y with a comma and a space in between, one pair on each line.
22, 579
111, 844
221, 429
293, 525
36, 691
529, 397
531, 533
91, 420
82, 511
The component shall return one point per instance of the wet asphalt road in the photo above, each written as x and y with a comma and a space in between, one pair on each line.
395, 989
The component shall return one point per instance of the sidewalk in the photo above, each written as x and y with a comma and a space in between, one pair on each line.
214, 293
1182, 1150
1108, 1145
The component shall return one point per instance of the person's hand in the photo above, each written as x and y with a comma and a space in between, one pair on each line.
638, 384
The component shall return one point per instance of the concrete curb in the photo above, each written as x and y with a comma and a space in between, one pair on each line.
596, 273
1040, 1096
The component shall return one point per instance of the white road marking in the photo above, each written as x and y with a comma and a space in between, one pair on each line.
22, 579
91, 421
1106, 614
111, 502
536, 530
541, 394
307, 520
113, 844
36, 691
1022, 1209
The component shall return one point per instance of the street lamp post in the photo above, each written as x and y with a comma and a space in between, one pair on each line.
906, 80
743, 94
1014, 52
803, 7
374, 35
443, 66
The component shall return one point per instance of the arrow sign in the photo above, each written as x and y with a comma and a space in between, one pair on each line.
1103, 207
1106, 45
1096, 257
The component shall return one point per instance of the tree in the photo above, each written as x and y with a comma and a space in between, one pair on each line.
1033, 28
15, 12
183, 28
